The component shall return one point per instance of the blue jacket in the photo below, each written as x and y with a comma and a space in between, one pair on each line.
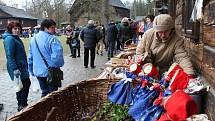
16, 55
51, 49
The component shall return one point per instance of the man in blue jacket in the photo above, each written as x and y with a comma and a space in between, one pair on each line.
52, 51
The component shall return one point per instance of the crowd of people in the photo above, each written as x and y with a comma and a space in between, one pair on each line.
110, 39
156, 39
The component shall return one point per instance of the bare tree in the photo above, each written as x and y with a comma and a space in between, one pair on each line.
55, 9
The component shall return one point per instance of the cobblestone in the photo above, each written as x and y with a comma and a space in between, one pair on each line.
74, 72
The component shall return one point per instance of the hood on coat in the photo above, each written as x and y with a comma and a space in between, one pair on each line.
7, 34
163, 22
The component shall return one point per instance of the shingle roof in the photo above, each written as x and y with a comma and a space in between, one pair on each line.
117, 3
14, 12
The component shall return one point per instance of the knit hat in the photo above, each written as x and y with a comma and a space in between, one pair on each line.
163, 22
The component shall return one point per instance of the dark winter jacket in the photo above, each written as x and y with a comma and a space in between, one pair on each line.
111, 32
75, 38
16, 55
90, 36
125, 33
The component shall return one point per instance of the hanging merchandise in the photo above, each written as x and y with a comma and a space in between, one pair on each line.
197, 11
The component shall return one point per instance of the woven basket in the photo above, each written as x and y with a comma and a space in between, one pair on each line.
72, 103
117, 62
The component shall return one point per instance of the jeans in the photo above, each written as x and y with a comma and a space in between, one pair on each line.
46, 89
22, 95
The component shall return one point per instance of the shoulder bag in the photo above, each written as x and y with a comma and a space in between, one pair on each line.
55, 75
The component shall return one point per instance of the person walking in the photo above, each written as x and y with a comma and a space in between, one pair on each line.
69, 34
125, 32
112, 33
100, 45
90, 36
118, 42
17, 65
75, 43
103, 37
45, 46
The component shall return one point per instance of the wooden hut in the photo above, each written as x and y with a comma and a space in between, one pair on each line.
100, 10
8, 14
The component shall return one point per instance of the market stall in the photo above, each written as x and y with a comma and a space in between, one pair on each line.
125, 90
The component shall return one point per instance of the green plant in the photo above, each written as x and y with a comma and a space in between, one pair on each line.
114, 112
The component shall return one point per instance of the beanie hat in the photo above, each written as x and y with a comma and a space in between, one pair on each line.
163, 22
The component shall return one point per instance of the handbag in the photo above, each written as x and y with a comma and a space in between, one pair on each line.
55, 75
74, 43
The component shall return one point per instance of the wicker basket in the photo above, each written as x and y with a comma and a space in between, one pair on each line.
72, 103
117, 62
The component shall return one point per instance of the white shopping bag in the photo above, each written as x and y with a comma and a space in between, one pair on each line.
35, 85
17, 83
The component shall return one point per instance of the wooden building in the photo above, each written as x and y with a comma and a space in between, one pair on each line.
200, 42
8, 14
99, 10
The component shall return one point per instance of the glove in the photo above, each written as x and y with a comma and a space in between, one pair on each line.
17, 73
